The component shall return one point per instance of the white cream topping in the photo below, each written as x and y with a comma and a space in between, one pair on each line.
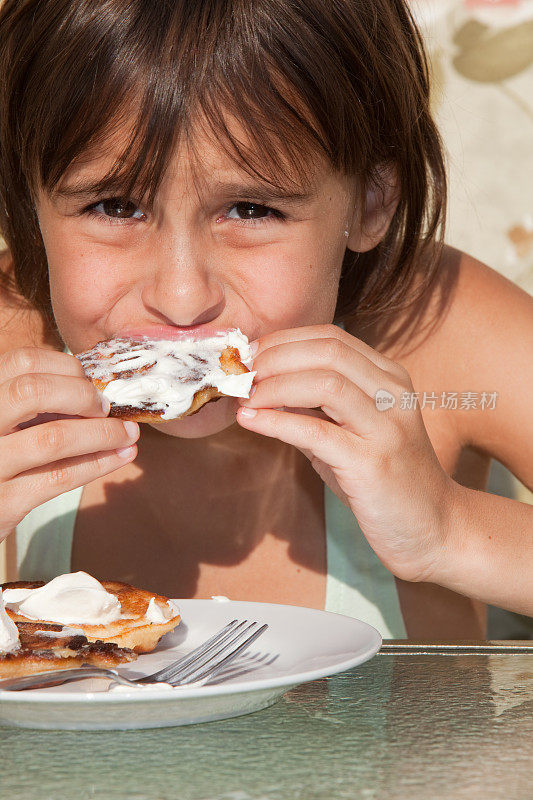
120, 688
220, 598
157, 614
64, 632
74, 598
173, 370
9, 635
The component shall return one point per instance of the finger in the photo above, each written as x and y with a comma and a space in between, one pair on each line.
336, 446
40, 418
24, 397
57, 441
342, 401
29, 490
330, 354
25, 360
307, 333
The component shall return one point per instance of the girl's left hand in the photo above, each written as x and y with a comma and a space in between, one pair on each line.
380, 463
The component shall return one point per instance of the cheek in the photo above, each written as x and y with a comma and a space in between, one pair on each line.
292, 286
78, 289
83, 282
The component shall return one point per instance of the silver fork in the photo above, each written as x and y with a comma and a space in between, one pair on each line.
194, 669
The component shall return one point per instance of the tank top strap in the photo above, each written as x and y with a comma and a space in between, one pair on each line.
358, 584
44, 538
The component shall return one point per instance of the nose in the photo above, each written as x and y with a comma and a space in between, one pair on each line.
182, 289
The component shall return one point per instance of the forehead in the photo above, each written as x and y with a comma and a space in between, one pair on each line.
203, 162
200, 161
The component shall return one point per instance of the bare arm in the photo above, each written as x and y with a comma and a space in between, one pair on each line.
489, 550
489, 542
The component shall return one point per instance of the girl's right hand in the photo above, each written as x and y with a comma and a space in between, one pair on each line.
44, 459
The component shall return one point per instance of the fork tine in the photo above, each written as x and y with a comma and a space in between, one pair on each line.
221, 636
209, 670
178, 671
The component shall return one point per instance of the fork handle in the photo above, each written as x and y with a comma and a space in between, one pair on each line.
56, 677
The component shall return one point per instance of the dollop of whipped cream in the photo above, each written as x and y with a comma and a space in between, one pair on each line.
157, 614
165, 374
9, 635
74, 598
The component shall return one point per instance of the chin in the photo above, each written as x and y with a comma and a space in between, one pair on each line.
212, 418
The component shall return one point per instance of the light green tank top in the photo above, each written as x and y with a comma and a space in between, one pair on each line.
358, 585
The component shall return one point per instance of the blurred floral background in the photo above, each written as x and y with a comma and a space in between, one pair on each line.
482, 67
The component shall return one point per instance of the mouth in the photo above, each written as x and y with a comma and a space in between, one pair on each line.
170, 332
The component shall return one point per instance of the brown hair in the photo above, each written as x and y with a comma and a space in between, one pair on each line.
345, 78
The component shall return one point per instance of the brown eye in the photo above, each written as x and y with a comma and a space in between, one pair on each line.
118, 208
250, 211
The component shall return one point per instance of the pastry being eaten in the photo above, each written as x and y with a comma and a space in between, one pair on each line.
106, 612
43, 647
154, 380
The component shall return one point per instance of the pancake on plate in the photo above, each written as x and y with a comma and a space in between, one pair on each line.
131, 618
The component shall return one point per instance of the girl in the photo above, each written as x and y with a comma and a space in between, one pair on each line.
272, 166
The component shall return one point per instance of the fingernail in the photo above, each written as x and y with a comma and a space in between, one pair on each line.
247, 413
132, 429
254, 347
106, 405
125, 452
252, 391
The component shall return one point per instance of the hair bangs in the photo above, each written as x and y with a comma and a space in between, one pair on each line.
143, 101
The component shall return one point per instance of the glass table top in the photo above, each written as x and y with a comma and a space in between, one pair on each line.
403, 725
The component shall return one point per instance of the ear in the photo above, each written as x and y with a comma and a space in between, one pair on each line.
370, 224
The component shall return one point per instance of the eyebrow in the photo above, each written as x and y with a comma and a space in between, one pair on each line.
264, 193
86, 189
260, 192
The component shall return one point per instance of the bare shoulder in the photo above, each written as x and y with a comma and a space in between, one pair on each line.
20, 324
474, 342
489, 298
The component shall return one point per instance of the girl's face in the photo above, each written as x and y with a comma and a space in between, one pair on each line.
217, 250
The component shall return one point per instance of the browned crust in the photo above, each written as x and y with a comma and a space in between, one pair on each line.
40, 653
27, 661
31, 636
22, 585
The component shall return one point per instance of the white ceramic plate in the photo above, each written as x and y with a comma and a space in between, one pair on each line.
301, 644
